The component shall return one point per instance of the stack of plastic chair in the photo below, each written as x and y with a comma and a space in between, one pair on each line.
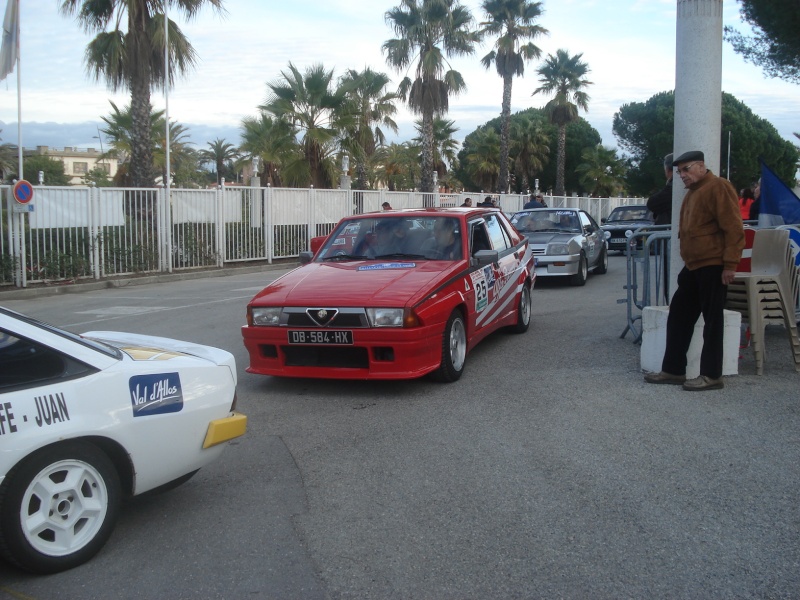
794, 241
770, 289
737, 291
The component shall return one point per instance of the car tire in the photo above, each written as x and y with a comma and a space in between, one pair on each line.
454, 349
583, 272
74, 490
523, 310
602, 264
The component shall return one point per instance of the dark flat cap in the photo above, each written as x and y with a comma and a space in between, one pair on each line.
689, 157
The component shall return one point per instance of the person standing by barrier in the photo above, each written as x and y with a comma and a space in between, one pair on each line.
660, 203
755, 207
746, 199
711, 237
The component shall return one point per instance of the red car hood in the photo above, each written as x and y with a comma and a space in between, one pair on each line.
362, 283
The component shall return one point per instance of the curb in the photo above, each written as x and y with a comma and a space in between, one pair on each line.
90, 286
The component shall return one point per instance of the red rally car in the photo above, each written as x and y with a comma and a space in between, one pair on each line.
394, 295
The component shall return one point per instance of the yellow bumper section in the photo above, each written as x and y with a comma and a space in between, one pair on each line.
222, 430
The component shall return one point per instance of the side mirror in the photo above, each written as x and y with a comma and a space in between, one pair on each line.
485, 257
306, 257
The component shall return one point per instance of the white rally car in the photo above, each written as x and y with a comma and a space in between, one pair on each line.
86, 420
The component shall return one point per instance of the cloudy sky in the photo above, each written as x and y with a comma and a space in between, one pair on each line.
628, 44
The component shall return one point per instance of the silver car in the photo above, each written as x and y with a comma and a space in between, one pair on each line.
567, 242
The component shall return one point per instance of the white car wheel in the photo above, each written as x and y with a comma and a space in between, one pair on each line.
454, 349
59, 507
523, 311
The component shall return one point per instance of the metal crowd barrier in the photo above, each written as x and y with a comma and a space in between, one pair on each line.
648, 257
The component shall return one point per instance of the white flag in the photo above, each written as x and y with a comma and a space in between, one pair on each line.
9, 51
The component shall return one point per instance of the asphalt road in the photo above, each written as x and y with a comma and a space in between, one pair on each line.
550, 470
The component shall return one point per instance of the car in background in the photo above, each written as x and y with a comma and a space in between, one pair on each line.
393, 295
567, 242
88, 420
623, 221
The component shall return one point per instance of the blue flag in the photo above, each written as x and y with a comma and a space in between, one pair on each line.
779, 204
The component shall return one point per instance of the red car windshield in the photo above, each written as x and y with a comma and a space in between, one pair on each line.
394, 237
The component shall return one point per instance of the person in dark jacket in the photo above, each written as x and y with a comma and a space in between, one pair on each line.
660, 203
534, 202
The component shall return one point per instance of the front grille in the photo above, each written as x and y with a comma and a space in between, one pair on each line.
350, 318
315, 356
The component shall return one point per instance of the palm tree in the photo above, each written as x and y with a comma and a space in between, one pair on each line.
222, 154
273, 141
182, 156
119, 133
133, 59
427, 32
563, 76
315, 109
601, 172
8, 158
400, 165
513, 21
482, 162
372, 108
444, 145
530, 147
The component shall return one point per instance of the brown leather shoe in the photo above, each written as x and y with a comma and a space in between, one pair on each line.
664, 377
703, 383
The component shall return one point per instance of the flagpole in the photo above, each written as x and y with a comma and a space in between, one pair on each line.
167, 169
166, 93
19, 96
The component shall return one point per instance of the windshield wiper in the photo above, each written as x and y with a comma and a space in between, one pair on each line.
346, 257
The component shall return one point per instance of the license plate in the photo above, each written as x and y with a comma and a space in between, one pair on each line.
326, 337
619, 240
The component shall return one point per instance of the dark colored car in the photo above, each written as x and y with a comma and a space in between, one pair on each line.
623, 221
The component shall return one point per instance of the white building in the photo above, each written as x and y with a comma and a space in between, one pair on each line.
79, 162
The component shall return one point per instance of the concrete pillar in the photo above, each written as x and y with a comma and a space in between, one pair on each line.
698, 97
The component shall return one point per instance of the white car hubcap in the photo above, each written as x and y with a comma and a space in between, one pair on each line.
458, 344
64, 507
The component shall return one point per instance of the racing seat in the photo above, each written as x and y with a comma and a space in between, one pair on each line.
767, 294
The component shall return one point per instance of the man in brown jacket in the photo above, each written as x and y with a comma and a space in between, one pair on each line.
711, 238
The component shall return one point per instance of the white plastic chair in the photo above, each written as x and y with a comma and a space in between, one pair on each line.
769, 292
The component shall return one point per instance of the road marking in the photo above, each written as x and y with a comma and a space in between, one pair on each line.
160, 309
121, 311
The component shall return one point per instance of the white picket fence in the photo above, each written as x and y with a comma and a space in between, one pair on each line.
71, 233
